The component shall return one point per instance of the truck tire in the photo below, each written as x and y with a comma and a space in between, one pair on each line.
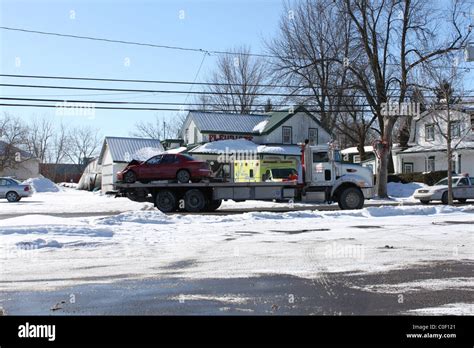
351, 198
213, 205
194, 201
183, 176
166, 201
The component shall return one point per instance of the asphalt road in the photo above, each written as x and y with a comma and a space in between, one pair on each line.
327, 294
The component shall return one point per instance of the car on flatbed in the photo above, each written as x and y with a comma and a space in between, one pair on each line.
180, 167
463, 189
13, 190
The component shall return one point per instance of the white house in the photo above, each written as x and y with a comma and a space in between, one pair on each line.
427, 151
117, 152
26, 167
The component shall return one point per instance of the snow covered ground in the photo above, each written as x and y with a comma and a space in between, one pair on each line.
45, 252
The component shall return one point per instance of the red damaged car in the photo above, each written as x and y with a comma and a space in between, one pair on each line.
180, 167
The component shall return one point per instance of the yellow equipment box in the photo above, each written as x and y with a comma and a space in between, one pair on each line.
265, 170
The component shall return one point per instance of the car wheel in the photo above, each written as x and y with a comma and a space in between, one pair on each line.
423, 201
130, 177
12, 196
444, 198
194, 200
166, 201
183, 176
462, 200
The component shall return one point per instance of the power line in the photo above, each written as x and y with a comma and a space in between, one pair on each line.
81, 78
179, 48
177, 91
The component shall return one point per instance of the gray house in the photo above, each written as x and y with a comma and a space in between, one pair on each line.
21, 165
118, 151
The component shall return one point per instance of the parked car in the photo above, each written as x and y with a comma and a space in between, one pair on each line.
180, 167
463, 189
14, 190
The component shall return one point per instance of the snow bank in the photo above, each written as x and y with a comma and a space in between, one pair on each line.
42, 184
139, 217
39, 244
447, 309
260, 126
399, 190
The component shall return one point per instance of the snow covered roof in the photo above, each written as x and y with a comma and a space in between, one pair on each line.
125, 149
226, 122
354, 150
441, 147
240, 145
177, 150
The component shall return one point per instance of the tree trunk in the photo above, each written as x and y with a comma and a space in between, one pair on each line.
450, 157
385, 157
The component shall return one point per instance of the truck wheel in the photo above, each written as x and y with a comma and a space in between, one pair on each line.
213, 205
423, 201
166, 201
351, 198
194, 201
183, 176
129, 177
12, 197
444, 198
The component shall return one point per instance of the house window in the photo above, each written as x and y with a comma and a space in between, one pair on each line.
429, 132
455, 129
287, 135
472, 123
186, 135
356, 159
313, 136
408, 167
430, 164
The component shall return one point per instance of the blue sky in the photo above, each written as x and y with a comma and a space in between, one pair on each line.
207, 24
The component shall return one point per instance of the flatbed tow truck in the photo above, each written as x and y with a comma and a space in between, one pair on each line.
324, 178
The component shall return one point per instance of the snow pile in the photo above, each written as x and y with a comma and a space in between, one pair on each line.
260, 127
139, 217
42, 184
145, 153
39, 244
399, 190
421, 285
447, 309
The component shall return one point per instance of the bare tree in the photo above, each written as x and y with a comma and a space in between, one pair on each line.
84, 144
14, 135
236, 82
312, 35
158, 128
40, 135
396, 38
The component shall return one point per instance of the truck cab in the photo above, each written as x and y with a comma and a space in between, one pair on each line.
327, 179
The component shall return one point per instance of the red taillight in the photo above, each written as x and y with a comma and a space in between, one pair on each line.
27, 188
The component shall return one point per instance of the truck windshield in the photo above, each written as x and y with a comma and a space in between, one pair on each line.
337, 156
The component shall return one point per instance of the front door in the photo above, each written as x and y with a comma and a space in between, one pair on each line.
322, 169
150, 170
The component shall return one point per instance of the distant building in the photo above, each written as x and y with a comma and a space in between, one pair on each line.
427, 146
62, 172
117, 152
91, 178
351, 155
27, 166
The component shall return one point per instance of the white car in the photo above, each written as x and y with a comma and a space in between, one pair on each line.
463, 189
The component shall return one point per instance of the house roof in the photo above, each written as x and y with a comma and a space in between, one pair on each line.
241, 145
24, 154
354, 150
258, 124
435, 148
226, 122
124, 149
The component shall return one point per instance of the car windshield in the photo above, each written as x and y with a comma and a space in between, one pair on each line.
445, 181
282, 173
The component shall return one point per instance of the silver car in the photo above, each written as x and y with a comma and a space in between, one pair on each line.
14, 190
463, 189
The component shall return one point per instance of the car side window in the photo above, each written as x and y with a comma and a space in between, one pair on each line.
463, 182
3, 182
168, 159
155, 160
